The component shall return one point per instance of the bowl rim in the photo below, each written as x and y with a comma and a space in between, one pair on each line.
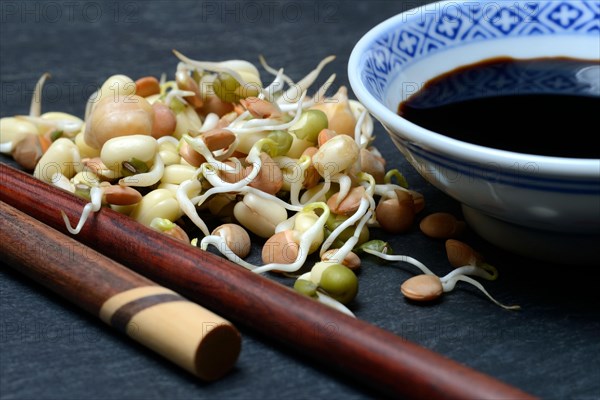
586, 168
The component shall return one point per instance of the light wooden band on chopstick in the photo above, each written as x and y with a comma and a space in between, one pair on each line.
133, 296
152, 315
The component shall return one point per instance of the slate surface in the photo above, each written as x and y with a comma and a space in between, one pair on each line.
49, 349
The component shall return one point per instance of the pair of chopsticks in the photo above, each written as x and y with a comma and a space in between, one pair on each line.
378, 358
192, 337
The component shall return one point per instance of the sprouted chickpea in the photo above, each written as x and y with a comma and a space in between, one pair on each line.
297, 169
94, 205
231, 240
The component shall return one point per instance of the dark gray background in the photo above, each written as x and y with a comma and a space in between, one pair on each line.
49, 349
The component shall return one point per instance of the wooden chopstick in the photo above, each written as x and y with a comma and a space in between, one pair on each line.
378, 358
194, 338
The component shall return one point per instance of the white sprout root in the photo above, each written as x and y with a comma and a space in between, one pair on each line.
179, 95
219, 66
278, 125
449, 281
223, 248
35, 109
305, 82
93, 206
362, 210
331, 302
406, 259
187, 205
210, 122
65, 125
274, 71
6, 147
342, 252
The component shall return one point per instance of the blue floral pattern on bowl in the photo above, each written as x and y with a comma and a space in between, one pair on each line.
452, 24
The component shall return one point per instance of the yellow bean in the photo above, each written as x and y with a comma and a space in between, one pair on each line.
13, 130
177, 173
62, 116
298, 147
187, 120
86, 177
173, 189
124, 148
159, 203
335, 155
62, 157
259, 215
170, 187
169, 154
304, 221
248, 140
221, 205
85, 150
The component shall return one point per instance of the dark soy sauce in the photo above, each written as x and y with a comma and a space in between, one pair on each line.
544, 106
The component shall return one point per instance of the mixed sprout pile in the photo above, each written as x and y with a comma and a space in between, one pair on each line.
299, 171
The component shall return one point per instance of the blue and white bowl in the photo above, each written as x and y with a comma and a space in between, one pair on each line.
535, 205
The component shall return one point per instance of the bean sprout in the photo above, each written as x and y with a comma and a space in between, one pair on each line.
267, 157
93, 206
